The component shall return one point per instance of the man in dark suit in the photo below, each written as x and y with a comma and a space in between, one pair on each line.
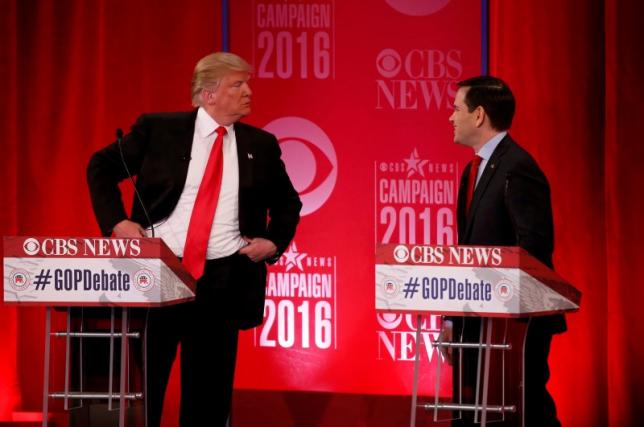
208, 183
504, 200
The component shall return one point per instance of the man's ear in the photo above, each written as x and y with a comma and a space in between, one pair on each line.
208, 97
480, 116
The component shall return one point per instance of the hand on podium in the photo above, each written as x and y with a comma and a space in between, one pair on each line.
128, 229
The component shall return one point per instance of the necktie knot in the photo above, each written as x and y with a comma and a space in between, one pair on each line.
221, 131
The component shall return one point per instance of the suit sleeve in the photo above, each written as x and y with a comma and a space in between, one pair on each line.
107, 167
527, 198
284, 203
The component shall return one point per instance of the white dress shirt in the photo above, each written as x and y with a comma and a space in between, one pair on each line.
225, 238
486, 152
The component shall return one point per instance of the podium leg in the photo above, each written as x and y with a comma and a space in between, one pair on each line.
123, 367
144, 355
45, 391
414, 395
67, 356
110, 375
486, 372
437, 380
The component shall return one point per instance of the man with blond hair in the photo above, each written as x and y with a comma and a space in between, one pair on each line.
208, 183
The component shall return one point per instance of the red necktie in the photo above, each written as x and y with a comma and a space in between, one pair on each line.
203, 212
471, 179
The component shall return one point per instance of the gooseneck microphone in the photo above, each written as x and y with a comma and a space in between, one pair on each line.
119, 142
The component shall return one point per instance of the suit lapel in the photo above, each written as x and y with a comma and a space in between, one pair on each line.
244, 156
490, 170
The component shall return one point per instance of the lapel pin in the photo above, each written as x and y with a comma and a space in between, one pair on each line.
250, 156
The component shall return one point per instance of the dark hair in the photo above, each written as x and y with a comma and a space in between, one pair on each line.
494, 95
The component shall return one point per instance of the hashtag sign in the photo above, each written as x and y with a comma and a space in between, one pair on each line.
42, 279
411, 287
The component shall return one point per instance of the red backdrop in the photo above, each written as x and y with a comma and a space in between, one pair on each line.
360, 107
72, 71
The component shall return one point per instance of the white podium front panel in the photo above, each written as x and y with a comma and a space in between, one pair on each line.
483, 281
93, 272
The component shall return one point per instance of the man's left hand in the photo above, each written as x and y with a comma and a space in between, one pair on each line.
258, 249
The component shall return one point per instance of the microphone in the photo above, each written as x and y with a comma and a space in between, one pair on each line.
119, 142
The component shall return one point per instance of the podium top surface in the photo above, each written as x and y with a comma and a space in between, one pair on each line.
84, 247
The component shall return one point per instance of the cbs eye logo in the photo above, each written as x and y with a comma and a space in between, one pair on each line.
389, 320
401, 253
309, 157
392, 321
31, 246
388, 63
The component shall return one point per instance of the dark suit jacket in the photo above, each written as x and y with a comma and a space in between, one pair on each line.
510, 207
157, 152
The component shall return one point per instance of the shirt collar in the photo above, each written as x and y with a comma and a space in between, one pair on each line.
206, 125
488, 148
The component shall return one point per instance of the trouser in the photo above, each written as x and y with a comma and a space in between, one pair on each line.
208, 353
539, 409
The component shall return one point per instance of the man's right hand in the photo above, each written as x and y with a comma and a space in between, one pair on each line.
128, 229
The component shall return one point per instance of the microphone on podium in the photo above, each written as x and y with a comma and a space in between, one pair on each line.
119, 142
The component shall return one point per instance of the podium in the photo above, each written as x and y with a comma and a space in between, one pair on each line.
118, 274
505, 287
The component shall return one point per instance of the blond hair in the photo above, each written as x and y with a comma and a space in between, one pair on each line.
211, 69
